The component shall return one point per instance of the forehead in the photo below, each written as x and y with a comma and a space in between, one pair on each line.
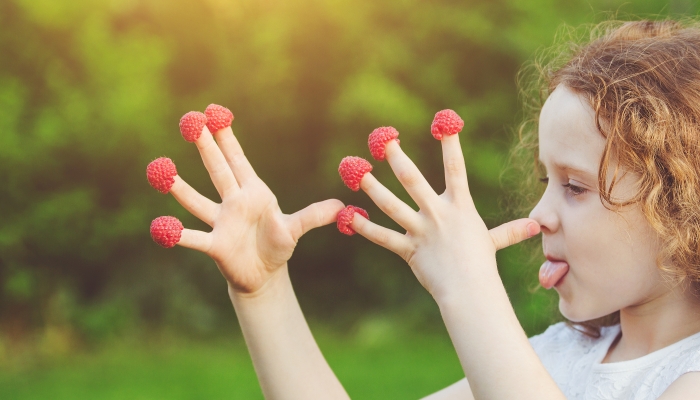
568, 136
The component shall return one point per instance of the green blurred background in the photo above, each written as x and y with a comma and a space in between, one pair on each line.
92, 90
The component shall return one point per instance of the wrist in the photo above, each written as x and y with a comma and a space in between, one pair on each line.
470, 287
277, 282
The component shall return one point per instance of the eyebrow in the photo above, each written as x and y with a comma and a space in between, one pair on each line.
565, 167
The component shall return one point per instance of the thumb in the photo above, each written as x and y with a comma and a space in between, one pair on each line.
313, 216
514, 232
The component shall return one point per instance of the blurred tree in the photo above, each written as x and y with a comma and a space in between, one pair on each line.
91, 91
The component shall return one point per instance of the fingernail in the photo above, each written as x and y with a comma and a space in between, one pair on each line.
532, 229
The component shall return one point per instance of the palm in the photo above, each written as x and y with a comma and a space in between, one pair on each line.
251, 238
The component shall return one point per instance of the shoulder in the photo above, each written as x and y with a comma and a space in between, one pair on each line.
560, 334
561, 331
553, 331
678, 373
567, 354
561, 346
558, 339
685, 387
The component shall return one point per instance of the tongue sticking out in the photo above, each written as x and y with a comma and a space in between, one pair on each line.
551, 272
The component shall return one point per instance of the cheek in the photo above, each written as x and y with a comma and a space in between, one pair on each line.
596, 287
612, 264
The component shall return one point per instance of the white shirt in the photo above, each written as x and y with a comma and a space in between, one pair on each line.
573, 359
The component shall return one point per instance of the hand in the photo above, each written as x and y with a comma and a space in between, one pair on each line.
251, 237
446, 241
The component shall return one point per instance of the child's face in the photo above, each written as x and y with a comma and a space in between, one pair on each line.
611, 257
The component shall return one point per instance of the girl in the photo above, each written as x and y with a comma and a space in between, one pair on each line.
619, 139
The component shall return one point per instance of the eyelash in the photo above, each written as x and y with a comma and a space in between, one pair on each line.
573, 189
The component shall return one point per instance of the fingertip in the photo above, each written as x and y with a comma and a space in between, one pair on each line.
346, 218
378, 140
218, 117
331, 208
352, 169
161, 174
191, 125
335, 204
446, 123
533, 228
166, 231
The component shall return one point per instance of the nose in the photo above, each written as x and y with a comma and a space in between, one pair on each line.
545, 213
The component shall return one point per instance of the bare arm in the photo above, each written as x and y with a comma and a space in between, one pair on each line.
449, 249
251, 241
285, 355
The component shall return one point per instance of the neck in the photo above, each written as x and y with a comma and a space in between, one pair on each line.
656, 323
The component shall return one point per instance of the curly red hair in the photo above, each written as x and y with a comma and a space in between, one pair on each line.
642, 79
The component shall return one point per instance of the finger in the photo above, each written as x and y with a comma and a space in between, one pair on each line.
392, 206
514, 232
215, 163
313, 216
198, 205
197, 240
233, 152
391, 240
410, 177
456, 184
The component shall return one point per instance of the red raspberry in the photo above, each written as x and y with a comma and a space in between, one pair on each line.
345, 218
166, 231
352, 169
378, 140
218, 117
446, 122
160, 173
191, 125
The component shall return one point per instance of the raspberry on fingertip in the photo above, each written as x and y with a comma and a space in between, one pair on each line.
191, 125
352, 169
345, 219
166, 231
379, 138
218, 117
161, 173
446, 122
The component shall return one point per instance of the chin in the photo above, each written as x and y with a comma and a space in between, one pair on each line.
580, 313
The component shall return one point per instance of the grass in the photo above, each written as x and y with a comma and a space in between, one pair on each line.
375, 363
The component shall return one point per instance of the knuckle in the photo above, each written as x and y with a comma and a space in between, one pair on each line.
196, 208
391, 208
454, 166
205, 145
317, 214
207, 246
408, 178
512, 237
382, 238
409, 254
239, 159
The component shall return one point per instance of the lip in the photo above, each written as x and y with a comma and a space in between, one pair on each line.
552, 258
